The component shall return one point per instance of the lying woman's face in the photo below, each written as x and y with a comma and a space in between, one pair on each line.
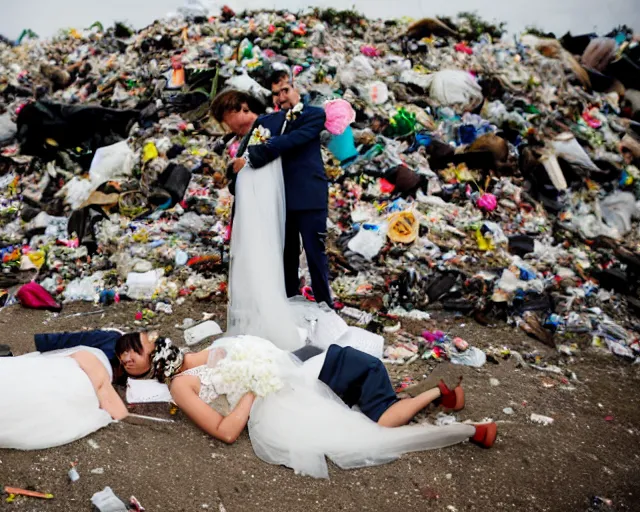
136, 364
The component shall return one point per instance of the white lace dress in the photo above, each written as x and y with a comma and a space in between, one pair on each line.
206, 375
297, 421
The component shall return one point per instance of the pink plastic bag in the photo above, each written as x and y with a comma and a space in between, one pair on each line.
369, 51
34, 296
487, 202
340, 115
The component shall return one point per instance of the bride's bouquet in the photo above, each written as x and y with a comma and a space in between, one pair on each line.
247, 367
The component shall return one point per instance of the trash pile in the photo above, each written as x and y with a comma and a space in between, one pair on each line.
492, 177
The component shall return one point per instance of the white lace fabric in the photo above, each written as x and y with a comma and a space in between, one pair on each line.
205, 374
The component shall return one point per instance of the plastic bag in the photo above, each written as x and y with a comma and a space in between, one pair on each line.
8, 128
340, 115
403, 227
368, 243
359, 68
247, 84
111, 162
143, 286
617, 210
34, 296
473, 357
378, 92
85, 289
568, 148
454, 87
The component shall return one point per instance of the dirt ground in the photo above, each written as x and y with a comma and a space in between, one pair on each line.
591, 449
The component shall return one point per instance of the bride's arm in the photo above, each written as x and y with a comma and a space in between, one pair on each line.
108, 397
228, 428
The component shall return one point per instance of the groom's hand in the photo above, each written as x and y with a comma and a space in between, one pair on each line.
238, 164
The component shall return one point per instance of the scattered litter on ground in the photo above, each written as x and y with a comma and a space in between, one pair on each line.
540, 419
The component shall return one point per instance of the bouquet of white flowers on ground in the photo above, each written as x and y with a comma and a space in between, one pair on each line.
247, 367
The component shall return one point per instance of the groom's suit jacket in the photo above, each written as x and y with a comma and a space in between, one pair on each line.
305, 180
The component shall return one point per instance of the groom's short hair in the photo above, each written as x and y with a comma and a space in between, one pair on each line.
232, 101
278, 75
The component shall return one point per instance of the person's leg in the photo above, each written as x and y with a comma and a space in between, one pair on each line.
313, 228
400, 413
102, 339
291, 256
403, 411
358, 379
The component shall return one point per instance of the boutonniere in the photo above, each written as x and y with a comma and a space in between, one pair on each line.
294, 113
260, 135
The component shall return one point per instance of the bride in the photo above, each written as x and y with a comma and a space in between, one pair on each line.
294, 418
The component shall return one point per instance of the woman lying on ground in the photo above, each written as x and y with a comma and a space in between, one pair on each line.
298, 413
54, 398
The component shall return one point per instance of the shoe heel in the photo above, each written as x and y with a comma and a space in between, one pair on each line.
459, 399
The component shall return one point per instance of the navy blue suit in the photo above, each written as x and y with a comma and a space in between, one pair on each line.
306, 193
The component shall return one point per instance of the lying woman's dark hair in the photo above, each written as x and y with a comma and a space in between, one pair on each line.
165, 360
130, 341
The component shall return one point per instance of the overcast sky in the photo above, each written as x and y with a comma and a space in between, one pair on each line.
45, 17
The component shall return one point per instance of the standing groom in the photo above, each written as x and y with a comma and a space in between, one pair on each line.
305, 182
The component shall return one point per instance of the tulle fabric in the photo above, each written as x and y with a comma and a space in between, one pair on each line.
48, 400
257, 298
305, 422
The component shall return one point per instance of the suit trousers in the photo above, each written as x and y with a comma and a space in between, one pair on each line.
311, 226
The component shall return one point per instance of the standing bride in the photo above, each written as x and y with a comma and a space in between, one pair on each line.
281, 196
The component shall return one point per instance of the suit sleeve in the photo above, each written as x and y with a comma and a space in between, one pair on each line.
262, 154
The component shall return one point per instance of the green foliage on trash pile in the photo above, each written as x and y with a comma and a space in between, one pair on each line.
538, 32
470, 26
349, 17
98, 25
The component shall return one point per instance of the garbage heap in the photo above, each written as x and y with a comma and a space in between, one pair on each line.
492, 176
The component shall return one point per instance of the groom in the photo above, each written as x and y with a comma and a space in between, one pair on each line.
295, 136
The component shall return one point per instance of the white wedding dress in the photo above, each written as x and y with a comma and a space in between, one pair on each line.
303, 422
258, 302
47, 400
297, 421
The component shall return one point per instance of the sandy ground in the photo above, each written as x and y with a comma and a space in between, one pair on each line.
531, 467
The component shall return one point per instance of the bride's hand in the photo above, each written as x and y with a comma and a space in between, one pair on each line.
238, 164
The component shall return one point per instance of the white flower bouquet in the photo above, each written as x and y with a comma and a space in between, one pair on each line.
247, 368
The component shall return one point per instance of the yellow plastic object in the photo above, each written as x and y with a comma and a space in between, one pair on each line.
403, 227
149, 152
37, 258
484, 243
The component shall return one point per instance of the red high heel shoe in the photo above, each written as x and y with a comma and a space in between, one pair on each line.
485, 435
452, 399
